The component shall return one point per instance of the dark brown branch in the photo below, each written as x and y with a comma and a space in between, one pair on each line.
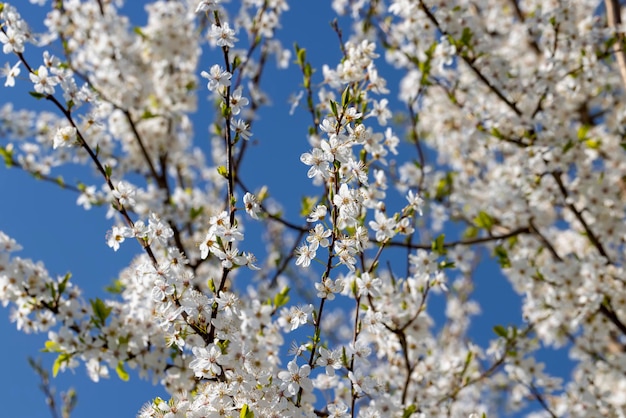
469, 241
578, 214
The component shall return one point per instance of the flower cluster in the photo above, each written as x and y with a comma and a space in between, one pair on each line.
514, 152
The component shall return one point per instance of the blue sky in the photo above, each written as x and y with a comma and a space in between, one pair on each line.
51, 228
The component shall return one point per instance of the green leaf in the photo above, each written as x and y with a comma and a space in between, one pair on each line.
36, 95
447, 264
424, 67
7, 155
345, 98
471, 232
124, 339
121, 373
236, 63
512, 241
222, 171
52, 289
56, 366
333, 108
568, 146
503, 256
218, 129
444, 186
116, 287
495, 132
139, 32
500, 331
282, 298
246, 412
225, 110
308, 70
484, 220
409, 410
223, 345
468, 359
593, 143
263, 193
148, 115
466, 37
300, 55
438, 244
344, 356
108, 171
195, 212
100, 311
353, 288
582, 132
306, 205
51, 347
63, 285
59, 361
